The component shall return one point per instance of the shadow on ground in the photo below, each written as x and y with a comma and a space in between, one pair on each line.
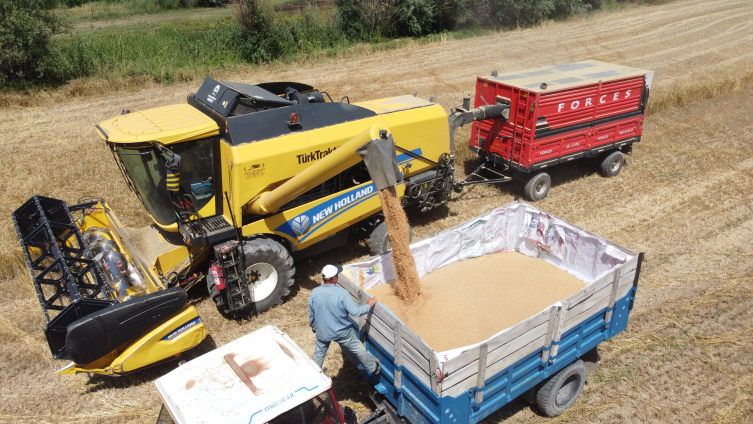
149, 374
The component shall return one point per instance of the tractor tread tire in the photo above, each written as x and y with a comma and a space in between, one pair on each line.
530, 192
379, 240
547, 394
606, 168
261, 250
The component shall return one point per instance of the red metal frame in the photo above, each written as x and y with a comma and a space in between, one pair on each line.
339, 409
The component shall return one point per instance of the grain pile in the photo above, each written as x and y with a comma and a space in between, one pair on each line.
469, 301
406, 286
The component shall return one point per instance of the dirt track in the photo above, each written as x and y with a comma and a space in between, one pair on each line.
684, 198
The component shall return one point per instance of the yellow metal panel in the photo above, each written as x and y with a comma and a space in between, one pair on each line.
159, 343
424, 131
262, 166
283, 157
325, 216
166, 125
178, 334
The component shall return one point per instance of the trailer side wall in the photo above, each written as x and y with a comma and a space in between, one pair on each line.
468, 384
552, 126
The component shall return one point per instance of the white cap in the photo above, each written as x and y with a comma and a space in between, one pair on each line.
330, 271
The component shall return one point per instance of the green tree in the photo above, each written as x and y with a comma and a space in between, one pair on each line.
27, 54
259, 39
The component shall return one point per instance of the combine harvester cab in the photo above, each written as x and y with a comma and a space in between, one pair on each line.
558, 114
541, 356
111, 314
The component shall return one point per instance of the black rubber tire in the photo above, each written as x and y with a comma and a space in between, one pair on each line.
379, 240
537, 187
612, 164
214, 294
561, 390
529, 396
267, 251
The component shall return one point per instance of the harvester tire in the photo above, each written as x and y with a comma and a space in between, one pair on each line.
379, 240
537, 187
215, 294
561, 390
262, 251
612, 164
272, 265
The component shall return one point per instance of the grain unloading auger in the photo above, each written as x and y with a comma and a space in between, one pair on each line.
240, 182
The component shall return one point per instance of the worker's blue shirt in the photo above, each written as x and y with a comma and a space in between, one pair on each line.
329, 306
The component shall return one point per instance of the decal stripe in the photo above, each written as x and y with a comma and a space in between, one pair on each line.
182, 328
295, 226
329, 218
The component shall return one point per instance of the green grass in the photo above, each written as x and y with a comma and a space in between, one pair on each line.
182, 49
167, 53
113, 39
105, 10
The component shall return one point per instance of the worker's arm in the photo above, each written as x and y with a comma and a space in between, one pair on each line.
357, 311
311, 315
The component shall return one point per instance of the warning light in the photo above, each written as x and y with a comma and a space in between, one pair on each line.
294, 119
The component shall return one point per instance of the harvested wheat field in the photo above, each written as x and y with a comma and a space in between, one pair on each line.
685, 198
459, 301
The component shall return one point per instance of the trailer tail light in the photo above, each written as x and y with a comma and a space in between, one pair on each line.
216, 272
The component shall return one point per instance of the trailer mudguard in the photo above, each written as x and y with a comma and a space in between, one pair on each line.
95, 335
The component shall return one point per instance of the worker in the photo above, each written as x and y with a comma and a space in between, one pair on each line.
329, 306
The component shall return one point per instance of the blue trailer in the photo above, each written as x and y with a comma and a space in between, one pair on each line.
544, 358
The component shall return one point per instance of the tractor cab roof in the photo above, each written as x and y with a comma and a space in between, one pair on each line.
251, 380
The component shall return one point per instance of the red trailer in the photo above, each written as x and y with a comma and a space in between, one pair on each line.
560, 113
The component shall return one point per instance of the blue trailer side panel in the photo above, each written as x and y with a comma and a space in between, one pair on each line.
417, 403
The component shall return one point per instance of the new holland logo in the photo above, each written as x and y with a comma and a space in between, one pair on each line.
301, 225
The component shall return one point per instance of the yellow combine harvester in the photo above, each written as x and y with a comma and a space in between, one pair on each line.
240, 182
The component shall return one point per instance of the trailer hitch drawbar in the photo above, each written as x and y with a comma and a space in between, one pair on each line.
476, 178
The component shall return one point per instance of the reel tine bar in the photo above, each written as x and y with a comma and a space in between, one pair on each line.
56, 255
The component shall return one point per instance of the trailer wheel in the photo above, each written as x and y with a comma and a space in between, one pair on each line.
379, 240
537, 187
562, 389
612, 164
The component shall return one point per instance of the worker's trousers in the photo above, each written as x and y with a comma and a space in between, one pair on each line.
352, 348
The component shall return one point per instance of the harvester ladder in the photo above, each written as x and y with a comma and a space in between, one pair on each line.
237, 290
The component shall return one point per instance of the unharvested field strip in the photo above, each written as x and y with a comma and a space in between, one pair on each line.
684, 198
